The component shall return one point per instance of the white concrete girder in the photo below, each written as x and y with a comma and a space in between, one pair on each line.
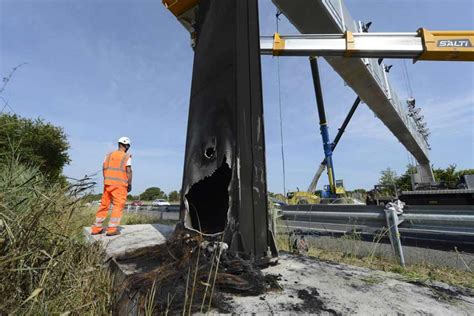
364, 76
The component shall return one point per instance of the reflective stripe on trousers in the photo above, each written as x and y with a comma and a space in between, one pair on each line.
99, 221
114, 222
116, 195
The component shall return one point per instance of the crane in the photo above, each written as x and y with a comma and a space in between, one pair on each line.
422, 45
323, 164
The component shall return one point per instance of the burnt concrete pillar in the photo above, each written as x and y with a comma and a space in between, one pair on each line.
224, 191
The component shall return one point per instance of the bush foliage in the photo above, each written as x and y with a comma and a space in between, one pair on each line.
449, 177
35, 142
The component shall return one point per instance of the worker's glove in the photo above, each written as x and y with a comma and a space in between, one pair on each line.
129, 188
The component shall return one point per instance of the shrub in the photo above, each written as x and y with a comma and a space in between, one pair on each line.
37, 142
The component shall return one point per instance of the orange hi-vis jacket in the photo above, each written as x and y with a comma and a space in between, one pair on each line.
115, 171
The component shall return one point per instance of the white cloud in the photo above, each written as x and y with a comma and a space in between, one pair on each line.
450, 117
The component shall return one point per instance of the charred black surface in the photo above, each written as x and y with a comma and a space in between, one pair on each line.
443, 292
225, 124
208, 201
313, 303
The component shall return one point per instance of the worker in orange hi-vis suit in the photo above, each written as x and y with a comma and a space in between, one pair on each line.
117, 171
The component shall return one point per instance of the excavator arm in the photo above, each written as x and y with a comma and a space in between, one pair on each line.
319, 172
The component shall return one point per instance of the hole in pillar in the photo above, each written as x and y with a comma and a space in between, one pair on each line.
209, 152
208, 201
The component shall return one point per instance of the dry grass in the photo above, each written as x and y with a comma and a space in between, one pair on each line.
45, 268
128, 218
45, 265
189, 277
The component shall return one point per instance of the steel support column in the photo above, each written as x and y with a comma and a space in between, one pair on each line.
224, 193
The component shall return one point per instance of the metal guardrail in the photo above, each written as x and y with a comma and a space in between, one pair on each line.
447, 220
437, 223
164, 208
168, 212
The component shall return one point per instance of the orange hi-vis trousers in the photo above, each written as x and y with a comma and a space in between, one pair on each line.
117, 195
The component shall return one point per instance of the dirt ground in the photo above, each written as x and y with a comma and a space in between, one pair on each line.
312, 286
303, 285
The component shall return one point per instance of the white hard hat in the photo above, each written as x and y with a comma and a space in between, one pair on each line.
124, 140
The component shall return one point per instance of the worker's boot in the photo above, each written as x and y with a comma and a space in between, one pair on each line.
95, 230
112, 231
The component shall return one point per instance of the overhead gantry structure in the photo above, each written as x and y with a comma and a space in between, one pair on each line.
366, 76
328, 30
423, 45
224, 160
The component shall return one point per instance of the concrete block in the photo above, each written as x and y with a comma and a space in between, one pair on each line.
131, 238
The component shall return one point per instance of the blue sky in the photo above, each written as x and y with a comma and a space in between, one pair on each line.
110, 68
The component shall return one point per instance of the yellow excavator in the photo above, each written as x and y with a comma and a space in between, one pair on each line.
302, 197
309, 197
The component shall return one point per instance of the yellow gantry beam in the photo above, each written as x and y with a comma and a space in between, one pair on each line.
447, 45
422, 45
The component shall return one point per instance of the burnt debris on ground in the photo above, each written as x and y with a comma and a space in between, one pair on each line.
442, 292
312, 302
190, 275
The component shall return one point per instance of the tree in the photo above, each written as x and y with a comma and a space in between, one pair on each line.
153, 193
465, 172
404, 181
387, 177
448, 176
132, 197
173, 196
35, 142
